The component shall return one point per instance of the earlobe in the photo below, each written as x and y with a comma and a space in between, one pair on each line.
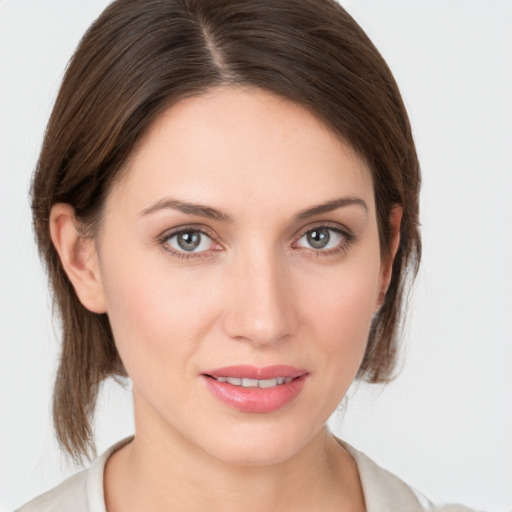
395, 220
78, 257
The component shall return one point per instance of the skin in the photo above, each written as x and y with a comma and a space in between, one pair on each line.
256, 292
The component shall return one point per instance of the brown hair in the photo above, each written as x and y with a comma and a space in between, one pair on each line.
140, 57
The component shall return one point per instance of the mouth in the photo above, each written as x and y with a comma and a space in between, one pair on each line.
256, 390
254, 383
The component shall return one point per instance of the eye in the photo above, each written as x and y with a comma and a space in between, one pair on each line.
189, 241
321, 238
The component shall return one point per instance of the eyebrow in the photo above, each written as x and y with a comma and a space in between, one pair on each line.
212, 213
329, 206
188, 208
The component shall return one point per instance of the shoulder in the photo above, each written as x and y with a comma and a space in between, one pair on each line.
385, 492
69, 495
82, 492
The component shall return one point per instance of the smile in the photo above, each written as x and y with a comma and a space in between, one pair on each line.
254, 383
256, 390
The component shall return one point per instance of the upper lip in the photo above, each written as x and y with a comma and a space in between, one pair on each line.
254, 372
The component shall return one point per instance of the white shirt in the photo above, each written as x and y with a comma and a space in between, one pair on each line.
383, 491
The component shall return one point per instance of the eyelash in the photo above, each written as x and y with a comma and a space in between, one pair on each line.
348, 239
165, 237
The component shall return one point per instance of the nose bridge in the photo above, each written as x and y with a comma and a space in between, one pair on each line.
260, 309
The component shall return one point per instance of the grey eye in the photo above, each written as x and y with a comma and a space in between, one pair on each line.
320, 238
191, 240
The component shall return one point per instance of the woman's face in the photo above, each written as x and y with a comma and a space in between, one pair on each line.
241, 243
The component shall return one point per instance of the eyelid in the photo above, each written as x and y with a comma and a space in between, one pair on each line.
204, 230
347, 234
335, 226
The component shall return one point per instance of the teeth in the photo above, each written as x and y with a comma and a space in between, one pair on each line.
269, 383
255, 383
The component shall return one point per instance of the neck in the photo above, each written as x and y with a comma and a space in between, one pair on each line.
161, 470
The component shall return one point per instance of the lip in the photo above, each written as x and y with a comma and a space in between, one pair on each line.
254, 372
256, 400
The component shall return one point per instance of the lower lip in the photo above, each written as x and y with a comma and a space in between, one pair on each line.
257, 400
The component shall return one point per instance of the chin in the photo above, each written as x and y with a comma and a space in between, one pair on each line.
261, 445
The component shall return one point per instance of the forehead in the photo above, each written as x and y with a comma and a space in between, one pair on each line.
239, 146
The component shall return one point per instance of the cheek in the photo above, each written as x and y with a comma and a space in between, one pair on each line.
341, 309
156, 315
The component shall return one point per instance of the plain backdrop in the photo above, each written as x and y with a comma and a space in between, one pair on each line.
445, 424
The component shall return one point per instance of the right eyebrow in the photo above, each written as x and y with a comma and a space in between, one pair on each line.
189, 208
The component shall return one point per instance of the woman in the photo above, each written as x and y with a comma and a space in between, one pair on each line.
227, 204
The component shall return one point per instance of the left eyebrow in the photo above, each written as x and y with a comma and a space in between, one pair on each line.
329, 206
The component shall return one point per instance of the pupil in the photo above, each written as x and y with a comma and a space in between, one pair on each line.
318, 238
189, 240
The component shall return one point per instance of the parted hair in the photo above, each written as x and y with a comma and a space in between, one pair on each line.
139, 58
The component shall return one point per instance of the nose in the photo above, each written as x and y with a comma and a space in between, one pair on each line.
260, 308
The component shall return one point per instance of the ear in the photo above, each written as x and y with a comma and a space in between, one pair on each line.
78, 257
395, 220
